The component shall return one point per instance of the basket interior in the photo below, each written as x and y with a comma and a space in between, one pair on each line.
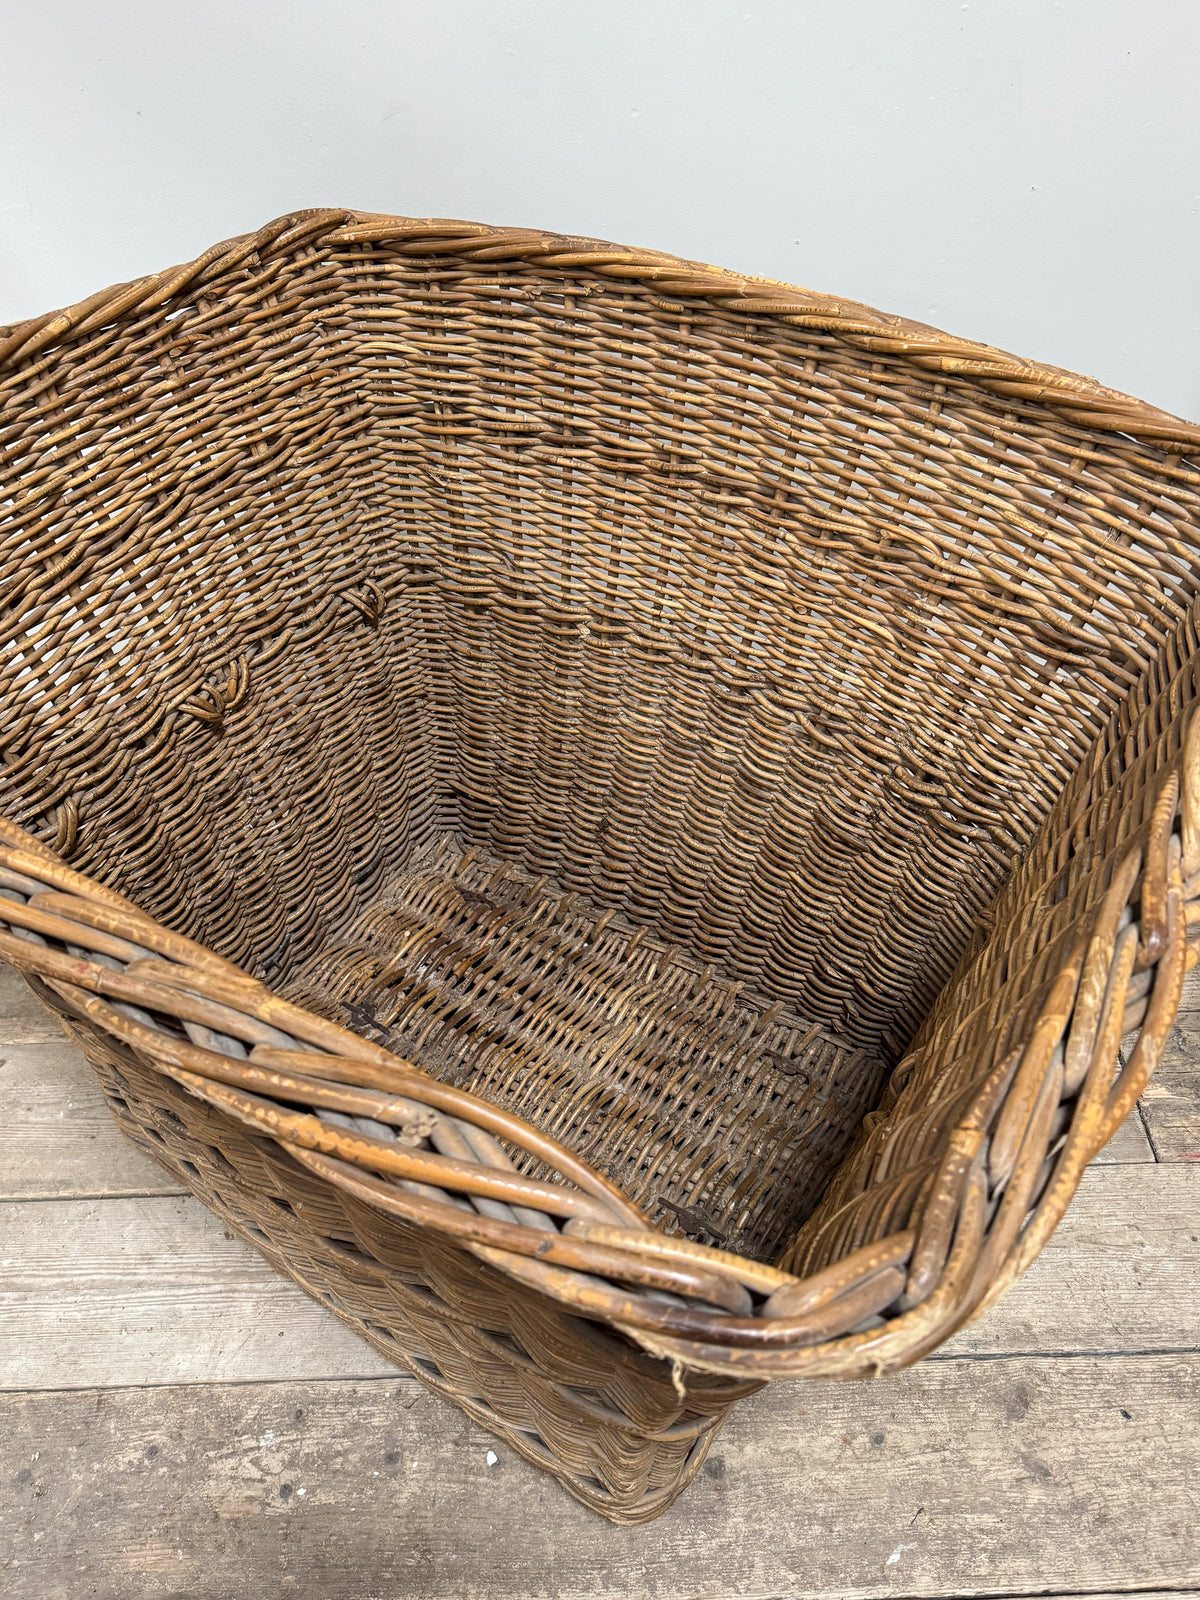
628, 713
719, 1112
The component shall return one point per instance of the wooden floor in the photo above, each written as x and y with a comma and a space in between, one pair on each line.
177, 1421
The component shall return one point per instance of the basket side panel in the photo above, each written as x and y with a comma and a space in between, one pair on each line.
210, 662
604, 1418
1042, 915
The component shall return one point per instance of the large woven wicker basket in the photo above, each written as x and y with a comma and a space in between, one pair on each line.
610, 817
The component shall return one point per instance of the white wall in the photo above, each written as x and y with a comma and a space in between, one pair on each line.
1018, 171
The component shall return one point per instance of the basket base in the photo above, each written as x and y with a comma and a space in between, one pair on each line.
723, 1115
606, 1419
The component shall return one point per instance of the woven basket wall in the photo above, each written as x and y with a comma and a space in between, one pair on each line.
609, 816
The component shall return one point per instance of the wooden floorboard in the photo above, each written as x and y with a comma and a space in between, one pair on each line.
1170, 1107
181, 1422
1029, 1476
22, 1019
58, 1139
153, 1290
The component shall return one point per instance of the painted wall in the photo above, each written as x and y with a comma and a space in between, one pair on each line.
1018, 171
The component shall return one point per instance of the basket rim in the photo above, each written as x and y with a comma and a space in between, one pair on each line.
1075, 397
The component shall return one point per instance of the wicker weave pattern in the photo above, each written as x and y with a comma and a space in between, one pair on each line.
716, 1115
1036, 929
560, 669
604, 1417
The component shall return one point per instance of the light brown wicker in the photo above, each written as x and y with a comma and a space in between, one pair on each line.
689, 780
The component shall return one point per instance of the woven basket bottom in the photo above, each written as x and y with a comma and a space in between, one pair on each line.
612, 1424
724, 1116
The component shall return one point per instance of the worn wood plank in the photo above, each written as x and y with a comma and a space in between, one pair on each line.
1171, 1104
1170, 1101
24, 1020
1006, 1477
154, 1291
57, 1137
1121, 1273
1129, 1145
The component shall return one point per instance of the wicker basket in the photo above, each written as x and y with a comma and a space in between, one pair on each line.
616, 813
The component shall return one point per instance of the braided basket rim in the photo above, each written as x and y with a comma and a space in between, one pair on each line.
1076, 397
